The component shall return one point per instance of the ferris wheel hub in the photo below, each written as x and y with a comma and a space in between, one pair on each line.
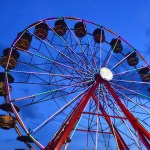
106, 74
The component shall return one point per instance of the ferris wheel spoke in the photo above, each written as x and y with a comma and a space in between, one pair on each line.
50, 91
80, 46
56, 59
138, 82
104, 139
123, 121
112, 127
52, 59
122, 118
91, 120
124, 72
46, 98
91, 135
63, 76
97, 122
35, 66
141, 130
120, 143
75, 128
89, 44
129, 99
57, 113
49, 74
132, 91
92, 53
72, 51
61, 53
52, 82
109, 55
130, 131
72, 70
51, 56
120, 62
100, 48
56, 63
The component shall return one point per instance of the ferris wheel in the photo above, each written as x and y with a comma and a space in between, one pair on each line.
69, 83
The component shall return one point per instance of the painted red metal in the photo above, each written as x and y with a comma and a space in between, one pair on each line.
60, 137
97, 114
131, 118
120, 142
94, 131
143, 139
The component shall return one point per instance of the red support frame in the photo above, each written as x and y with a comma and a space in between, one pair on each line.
97, 114
143, 133
62, 135
94, 131
120, 142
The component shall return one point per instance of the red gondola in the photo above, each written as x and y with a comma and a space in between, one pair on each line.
99, 36
116, 45
80, 30
24, 42
41, 31
60, 27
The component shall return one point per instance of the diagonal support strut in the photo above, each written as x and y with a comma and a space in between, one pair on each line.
62, 135
143, 133
121, 143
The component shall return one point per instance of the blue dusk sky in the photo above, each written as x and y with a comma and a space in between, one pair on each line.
128, 18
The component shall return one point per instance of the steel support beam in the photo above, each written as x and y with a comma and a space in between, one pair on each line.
63, 134
97, 114
120, 142
94, 131
143, 133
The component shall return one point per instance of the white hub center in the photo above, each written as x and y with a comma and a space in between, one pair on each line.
106, 74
